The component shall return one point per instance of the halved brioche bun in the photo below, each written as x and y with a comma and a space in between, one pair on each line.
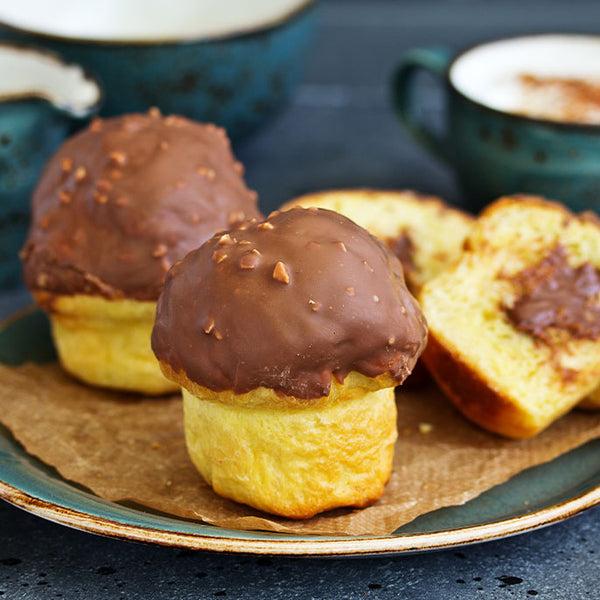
507, 380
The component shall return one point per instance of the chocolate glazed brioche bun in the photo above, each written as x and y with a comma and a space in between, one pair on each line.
116, 206
288, 337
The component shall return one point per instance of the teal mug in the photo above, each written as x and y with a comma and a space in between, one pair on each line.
42, 100
522, 115
231, 62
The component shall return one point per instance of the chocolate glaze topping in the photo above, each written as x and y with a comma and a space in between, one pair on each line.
286, 304
552, 294
120, 202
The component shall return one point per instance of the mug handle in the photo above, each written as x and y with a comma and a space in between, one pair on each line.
435, 60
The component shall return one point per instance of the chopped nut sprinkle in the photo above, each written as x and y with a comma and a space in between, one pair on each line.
130, 124
101, 198
226, 240
235, 217
80, 173
96, 125
64, 196
207, 173
375, 298
174, 121
280, 273
391, 341
425, 427
209, 325
350, 291
368, 266
159, 251
118, 158
342, 246
66, 164
314, 306
219, 256
244, 243
154, 112
249, 261
266, 225
273, 214
104, 184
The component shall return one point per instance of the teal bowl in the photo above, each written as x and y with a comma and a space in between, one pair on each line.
234, 68
42, 100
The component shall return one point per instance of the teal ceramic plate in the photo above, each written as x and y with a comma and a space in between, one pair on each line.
536, 497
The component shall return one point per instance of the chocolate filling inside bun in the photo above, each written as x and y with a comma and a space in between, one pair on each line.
124, 199
286, 304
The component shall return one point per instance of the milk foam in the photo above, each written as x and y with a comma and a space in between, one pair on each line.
491, 74
144, 20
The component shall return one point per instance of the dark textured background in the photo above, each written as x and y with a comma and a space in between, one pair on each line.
338, 131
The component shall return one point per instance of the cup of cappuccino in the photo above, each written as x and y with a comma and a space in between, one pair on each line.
522, 115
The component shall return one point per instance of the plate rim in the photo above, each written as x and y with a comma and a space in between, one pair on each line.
296, 545
355, 546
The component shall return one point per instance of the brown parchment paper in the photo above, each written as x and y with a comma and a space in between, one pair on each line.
129, 448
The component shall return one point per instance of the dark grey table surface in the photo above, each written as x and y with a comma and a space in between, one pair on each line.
338, 132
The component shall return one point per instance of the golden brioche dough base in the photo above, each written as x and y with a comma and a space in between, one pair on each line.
295, 462
499, 377
106, 342
269, 398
